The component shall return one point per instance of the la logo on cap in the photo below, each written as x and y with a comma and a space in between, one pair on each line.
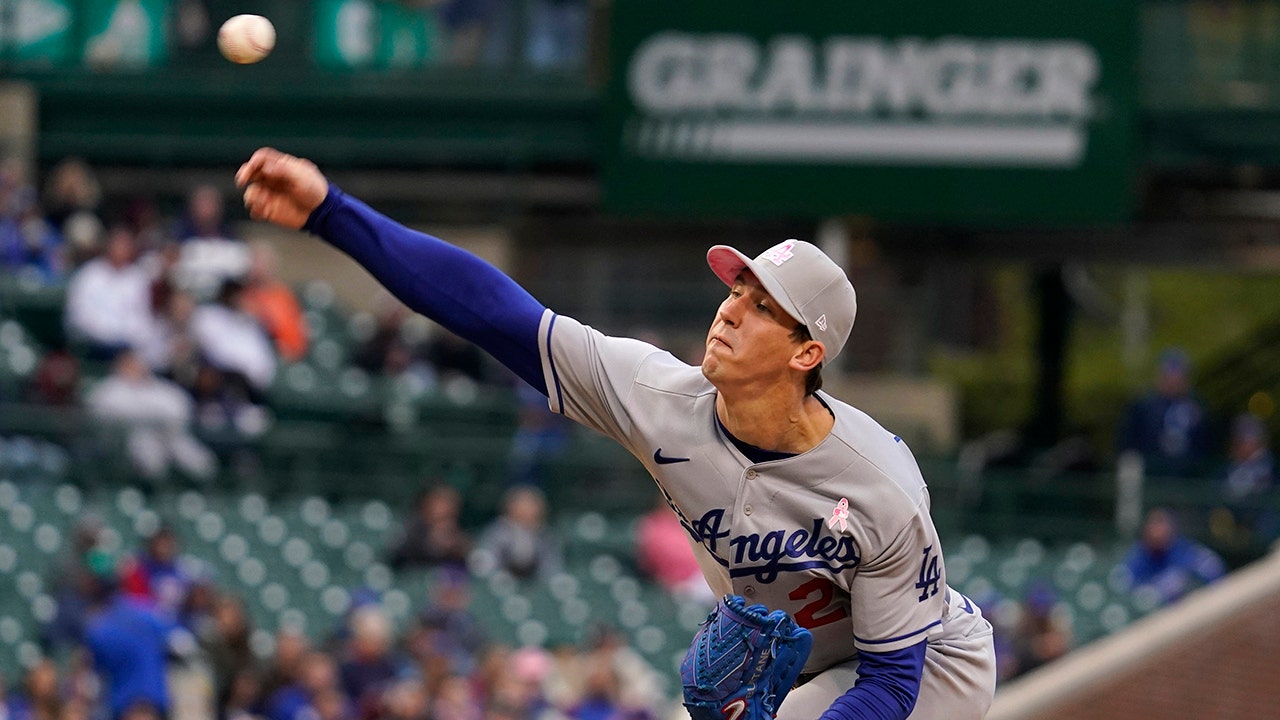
779, 253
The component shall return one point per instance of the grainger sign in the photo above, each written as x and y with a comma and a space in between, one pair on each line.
986, 112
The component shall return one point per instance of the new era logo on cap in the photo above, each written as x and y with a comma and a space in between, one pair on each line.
806, 283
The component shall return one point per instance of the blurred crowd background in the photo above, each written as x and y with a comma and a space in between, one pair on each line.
238, 480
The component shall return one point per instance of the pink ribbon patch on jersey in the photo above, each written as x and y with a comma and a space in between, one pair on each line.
840, 515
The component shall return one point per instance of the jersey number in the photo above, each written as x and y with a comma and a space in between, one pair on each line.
929, 575
808, 616
734, 710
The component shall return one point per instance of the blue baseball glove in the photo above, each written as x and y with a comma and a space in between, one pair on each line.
743, 662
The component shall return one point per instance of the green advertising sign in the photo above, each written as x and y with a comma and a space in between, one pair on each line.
362, 34
967, 111
35, 32
125, 33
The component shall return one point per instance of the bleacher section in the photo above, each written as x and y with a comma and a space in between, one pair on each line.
298, 560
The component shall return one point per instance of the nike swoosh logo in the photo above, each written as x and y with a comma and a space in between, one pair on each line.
661, 459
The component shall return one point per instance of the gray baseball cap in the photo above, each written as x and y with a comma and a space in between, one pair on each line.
808, 285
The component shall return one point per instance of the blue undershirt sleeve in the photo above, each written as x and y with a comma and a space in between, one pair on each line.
465, 294
887, 686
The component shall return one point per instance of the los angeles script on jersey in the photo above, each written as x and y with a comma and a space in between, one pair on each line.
764, 556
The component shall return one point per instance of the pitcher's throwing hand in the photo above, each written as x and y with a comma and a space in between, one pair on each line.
280, 188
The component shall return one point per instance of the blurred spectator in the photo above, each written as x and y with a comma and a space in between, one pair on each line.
1248, 518
274, 303
394, 348
71, 584
455, 358
40, 698
519, 540
447, 627
156, 417
600, 696
211, 253
1252, 471
1167, 562
369, 664
587, 683
1041, 634
149, 226
433, 535
204, 218
226, 643
83, 236
129, 643
244, 696
467, 26
405, 699
231, 340
239, 365
108, 306
664, 554
518, 691
456, 699
57, 378
541, 438
640, 696
172, 351
1168, 426
155, 576
557, 34
82, 689
316, 682
71, 190
286, 663
29, 244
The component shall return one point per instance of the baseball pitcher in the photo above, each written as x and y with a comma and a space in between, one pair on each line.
797, 505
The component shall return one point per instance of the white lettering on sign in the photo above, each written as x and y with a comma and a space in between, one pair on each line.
677, 72
951, 100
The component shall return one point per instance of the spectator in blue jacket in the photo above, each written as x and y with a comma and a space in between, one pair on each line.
1168, 562
129, 644
1168, 426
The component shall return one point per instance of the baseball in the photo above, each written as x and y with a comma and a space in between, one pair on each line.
246, 39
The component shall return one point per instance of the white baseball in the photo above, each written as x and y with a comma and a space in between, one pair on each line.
246, 38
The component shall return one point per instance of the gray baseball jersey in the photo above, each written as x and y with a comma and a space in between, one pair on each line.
840, 536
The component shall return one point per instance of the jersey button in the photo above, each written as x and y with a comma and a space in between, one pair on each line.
751, 474
746, 510
749, 590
